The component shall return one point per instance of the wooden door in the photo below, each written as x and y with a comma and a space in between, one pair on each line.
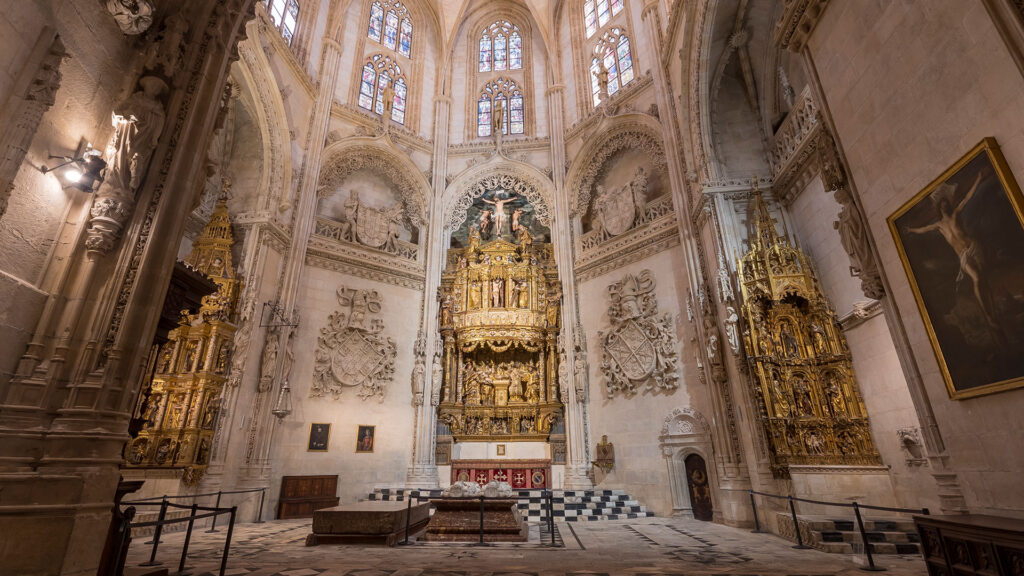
700, 488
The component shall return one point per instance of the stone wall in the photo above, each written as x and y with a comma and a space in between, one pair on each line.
911, 87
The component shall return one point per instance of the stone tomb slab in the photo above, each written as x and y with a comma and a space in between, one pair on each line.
371, 522
458, 520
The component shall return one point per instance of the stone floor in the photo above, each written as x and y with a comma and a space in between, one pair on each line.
647, 546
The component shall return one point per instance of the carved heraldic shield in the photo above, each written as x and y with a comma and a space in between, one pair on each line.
372, 226
617, 209
639, 349
351, 352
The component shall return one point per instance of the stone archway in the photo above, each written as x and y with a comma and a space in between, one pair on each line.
686, 433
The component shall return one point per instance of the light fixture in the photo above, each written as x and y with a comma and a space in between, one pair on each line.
284, 402
84, 170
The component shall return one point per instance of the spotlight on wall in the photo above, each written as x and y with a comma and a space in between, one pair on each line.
83, 171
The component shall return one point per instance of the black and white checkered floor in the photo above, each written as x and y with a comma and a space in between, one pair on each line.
566, 505
644, 546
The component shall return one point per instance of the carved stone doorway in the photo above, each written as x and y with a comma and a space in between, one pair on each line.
699, 487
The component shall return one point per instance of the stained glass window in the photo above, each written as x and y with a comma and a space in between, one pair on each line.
500, 53
285, 16
398, 106
485, 54
390, 29
376, 21
614, 52
405, 40
515, 52
367, 85
483, 116
512, 104
501, 47
391, 25
597, 13
377, 74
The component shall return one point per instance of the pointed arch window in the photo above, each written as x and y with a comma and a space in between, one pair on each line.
391, 25
501, 47
285, 16
377, 74
502, 94
614, 54
596, 13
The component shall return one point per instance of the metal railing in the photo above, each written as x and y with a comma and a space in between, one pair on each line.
164, 502
871, 567
417, 494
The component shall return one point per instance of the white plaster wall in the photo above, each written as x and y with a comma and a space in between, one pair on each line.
633, 424
911, 87
394, 418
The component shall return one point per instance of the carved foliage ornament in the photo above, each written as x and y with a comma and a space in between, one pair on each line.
351, 352
640, 349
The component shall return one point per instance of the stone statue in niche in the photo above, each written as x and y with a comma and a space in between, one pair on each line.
640, 348
351, 351
731, 329
436, 377
138, 123
133, 17
168, 50
268, 361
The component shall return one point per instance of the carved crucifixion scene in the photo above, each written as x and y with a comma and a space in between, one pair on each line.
333, 275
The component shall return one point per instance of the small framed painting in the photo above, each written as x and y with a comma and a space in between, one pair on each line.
501, 449
364, 439
319, 436
961, 240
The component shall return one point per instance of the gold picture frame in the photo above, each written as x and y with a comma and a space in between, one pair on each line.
961, 242
366, 437
319, 437
500, 449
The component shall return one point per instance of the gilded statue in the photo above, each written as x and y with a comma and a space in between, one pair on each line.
497, 293
554, 299
474, 294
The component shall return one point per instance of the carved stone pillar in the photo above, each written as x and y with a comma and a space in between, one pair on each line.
422, 472
24, 111
274, 372
577, 466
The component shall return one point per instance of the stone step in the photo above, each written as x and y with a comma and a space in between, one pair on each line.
842, 535
567, 505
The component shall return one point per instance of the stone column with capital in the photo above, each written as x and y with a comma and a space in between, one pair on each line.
422, 471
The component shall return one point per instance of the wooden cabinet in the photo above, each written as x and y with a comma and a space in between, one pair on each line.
301, 495
972, 544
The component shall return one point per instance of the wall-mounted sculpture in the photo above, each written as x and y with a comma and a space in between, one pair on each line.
351, 352
640, 347
809, 404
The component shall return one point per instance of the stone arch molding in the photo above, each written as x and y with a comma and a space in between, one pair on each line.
272, 119
514, 176
684, 422
636, 132
344, 158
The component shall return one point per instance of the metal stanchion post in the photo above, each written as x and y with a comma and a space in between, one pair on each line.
796, 527
213, 526
227, 542
753, 508
156, 535
551, 516
188, 538
259, 515
864, 539
408, 514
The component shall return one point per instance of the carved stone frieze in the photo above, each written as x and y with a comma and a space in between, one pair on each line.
351, 351
639, 351
338, 167
799, 17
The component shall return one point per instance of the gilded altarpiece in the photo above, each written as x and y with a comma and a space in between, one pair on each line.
810, 408
499, 323
191, 368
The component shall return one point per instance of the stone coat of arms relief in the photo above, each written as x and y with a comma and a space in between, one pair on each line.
639, 351
351, 351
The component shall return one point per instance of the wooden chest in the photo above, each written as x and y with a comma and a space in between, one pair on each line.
301, 495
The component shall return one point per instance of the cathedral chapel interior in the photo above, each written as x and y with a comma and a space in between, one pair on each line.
637, 276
